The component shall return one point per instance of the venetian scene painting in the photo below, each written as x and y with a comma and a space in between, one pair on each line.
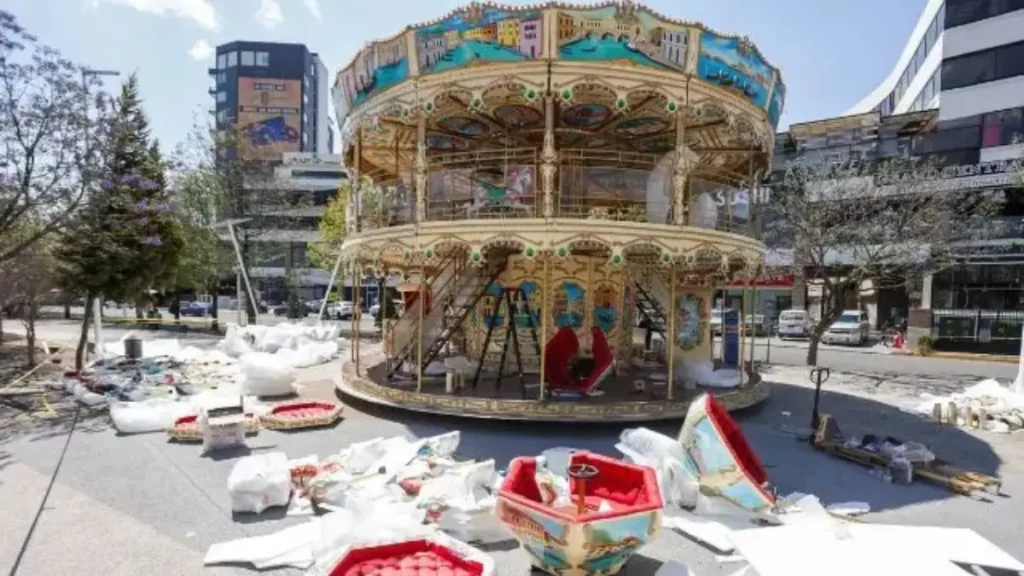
605, 308
482, 35
692, 318
622, 32
612, 542
734, 64
542, 538
569, 301
375, 69
775, 105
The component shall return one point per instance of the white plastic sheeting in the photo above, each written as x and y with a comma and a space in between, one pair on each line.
377, 489
259, 482
703, 373
292, 345
264, 375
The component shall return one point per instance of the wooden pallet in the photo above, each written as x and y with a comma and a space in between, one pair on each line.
829, 439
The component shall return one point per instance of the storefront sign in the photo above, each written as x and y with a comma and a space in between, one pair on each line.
306, 159
731, 338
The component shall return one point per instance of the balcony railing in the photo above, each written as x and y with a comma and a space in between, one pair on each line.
591, 185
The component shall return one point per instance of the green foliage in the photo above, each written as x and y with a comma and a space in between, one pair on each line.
324, 253
925, 345
127, 238
200, 196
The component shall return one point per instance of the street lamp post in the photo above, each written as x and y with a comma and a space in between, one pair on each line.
97, 305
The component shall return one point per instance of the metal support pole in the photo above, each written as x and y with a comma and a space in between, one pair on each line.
245, 275
545, 295
670, 338
330, 284
239, 298
419, 332
355, 319
357, 309
754, 307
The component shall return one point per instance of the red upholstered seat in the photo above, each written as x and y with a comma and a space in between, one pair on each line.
521, 479
626, 488
559, 350
562, 348
410, 558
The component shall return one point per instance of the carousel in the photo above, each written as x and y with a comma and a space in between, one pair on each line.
558, 192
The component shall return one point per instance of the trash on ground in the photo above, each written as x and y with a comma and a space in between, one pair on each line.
987, 405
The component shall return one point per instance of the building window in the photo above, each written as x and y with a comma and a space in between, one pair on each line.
248, 58
969, 70
960, 12
305, 118
932, 36
222, 61
1003, 128
305, 139
222, 117
232, 59
221, 78
222, 97
1010, 61
263, 59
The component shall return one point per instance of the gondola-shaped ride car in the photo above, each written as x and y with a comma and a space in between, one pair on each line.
614, 509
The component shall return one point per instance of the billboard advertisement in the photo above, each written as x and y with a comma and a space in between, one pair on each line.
269, 116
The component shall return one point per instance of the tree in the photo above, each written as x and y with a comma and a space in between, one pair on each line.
885, 225
46, 163
26, 280
324, 254
126, 239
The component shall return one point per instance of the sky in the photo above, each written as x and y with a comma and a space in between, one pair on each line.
831, 52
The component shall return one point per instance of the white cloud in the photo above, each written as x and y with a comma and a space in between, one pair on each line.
314, 8
201, 12
201, 50
269, 15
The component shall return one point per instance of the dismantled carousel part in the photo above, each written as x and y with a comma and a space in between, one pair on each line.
894, 460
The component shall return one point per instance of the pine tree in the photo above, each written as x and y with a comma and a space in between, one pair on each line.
127, 239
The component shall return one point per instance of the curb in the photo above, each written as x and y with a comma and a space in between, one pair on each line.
967, 357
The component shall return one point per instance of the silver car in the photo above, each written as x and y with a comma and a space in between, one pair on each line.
794, 324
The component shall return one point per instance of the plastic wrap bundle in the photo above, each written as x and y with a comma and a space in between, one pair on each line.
153, 415
260, 482
265, 375
665, 455
235, 343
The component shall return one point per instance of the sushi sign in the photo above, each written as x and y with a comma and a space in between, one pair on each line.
760, 196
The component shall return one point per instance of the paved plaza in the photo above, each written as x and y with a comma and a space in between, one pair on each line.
127, 505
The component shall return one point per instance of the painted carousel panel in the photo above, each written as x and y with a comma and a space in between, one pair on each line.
735, 65
625, 32
375, 69
480, 35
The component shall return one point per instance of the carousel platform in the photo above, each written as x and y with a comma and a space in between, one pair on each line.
621, 401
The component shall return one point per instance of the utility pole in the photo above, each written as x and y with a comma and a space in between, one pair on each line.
97, 305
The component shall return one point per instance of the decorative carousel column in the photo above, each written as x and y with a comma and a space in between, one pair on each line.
686, 159
357, 157
549, 157
421, 168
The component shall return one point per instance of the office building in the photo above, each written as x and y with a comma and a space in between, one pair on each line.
955, 97
276, 94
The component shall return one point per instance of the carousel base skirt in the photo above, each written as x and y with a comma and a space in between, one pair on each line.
621, 402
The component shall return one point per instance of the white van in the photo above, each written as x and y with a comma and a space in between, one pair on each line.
794, 324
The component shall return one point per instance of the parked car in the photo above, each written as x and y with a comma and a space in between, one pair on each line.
196, 310
794, 324
341, 310
852, 327
758, 323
